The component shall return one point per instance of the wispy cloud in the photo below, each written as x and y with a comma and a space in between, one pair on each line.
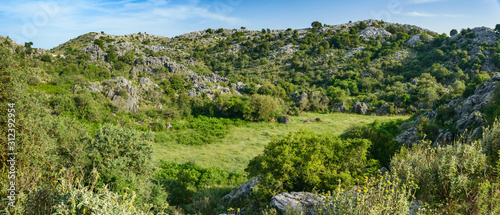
45, 19
420, 14
425, 14
423, 1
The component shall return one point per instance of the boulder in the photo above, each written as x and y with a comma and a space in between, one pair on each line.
302, 202
284, 119
360, 107
241, 192
340, 107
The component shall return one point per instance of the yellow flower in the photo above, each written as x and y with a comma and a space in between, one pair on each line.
364, 191
73, 201
392, 191
388, 197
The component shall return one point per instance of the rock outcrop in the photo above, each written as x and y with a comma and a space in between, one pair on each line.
360, 107
373, 32
241, 192
302, 202
340, 107
284, 119
468, 115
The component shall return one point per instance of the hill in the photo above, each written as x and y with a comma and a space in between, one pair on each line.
184, 120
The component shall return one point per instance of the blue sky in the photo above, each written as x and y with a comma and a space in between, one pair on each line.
48, 23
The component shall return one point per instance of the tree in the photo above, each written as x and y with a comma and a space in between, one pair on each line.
316, 24
306, 161
453, 32
497, 28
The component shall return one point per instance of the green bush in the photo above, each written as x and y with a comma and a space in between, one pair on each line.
204, 130
262, 106
305, 161
448, 176
491, 144
380, 194
183, 181
382, 135
121, 156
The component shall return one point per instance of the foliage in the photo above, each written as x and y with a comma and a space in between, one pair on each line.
204, 130
448, 176
382, 137
308, 161
382, 193
184, 181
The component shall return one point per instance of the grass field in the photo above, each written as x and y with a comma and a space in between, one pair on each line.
247, 141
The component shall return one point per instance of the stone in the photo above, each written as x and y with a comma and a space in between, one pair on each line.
360, 107
242, 192
383, 110
301, 202
95, 88
373, 32
284, 119
340, 107
169, 126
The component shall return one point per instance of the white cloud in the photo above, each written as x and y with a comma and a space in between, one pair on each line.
423, 1
420, 14
39, 21
425, 14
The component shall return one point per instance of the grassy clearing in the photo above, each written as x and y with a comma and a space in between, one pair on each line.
247, 141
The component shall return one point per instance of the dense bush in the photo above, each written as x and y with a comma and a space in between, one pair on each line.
204, 130
308, 161
448, 176
183, 181
381, 135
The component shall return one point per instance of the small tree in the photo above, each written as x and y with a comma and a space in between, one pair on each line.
497, 28
453, 32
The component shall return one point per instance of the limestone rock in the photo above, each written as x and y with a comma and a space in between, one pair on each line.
340, 107
360, 107
241, 192
296, 202
373, 32
284, 119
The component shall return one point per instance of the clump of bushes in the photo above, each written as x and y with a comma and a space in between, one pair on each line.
204, 130
448, 176
308, 161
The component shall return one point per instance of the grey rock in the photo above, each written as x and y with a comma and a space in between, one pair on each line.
360, 107
383, 110
416, 38
302, 202
372, 32
353, 51
95, 88
242, 192
340, 107
145, 82
284, 119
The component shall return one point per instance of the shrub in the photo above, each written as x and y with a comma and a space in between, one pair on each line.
204, 130
491, 143
262, 106
122, 156
306, 161
384, 146
381, 194
448, 176
182, 181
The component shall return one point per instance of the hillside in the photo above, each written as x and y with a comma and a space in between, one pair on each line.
182, 121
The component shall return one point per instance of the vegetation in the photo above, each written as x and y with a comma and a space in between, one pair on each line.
172, 125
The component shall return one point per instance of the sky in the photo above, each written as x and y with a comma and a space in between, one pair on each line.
48, 23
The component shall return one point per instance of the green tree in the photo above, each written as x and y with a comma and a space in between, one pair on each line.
306, 161
453, 32
497, 28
